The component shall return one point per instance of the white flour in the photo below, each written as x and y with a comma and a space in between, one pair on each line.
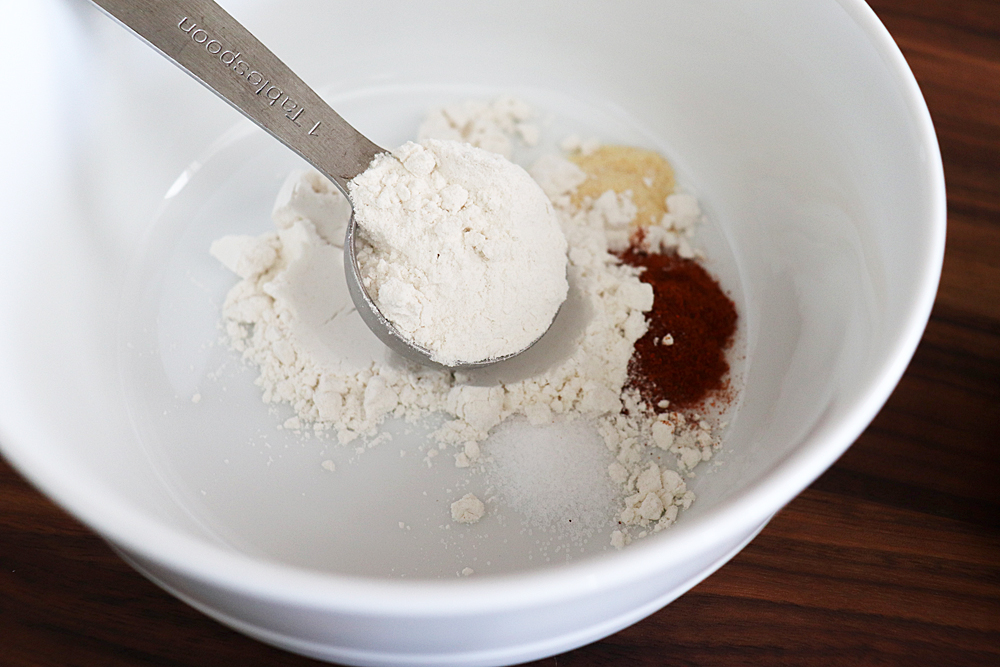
291, 316
459, 249
467, 509
488, 125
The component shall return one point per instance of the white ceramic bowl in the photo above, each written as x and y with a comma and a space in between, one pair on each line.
798, 125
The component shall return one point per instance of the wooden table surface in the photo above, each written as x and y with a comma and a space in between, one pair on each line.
890, 558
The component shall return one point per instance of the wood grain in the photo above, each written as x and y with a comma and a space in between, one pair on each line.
890, 558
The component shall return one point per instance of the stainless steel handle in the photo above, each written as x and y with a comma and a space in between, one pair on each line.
203, 39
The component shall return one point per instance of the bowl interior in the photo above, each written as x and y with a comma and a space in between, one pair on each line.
791, 122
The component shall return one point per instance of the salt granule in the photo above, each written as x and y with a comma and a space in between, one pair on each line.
555, 476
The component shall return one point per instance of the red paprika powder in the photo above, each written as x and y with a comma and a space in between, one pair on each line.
690, 308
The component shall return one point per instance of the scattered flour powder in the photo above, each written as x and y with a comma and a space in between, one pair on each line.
467, 509
460, 249
291, 316
492, 126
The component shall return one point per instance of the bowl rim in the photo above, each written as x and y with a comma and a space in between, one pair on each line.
219, 567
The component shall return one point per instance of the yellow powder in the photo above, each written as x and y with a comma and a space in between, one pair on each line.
648, 176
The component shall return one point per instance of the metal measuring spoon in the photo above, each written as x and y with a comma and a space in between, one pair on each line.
210, 45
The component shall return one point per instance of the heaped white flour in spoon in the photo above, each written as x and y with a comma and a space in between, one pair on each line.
460, 249
291, 316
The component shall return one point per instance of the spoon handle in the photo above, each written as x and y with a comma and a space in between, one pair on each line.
210, 45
